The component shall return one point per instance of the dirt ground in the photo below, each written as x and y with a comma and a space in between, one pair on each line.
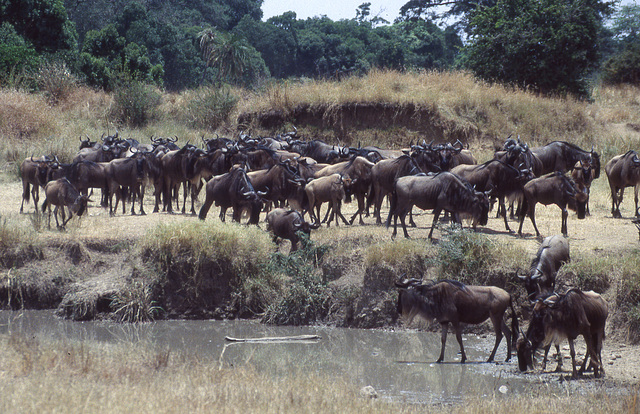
597, 234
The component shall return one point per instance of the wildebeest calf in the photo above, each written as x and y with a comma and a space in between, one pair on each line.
61, 193
286, 224
454, 302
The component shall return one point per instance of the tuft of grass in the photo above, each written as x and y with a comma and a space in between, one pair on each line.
135, 304
135, 104
209, 108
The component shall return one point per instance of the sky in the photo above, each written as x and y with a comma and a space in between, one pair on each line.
342, 9
335, 10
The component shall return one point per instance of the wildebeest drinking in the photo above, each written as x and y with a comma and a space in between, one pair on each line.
452, 302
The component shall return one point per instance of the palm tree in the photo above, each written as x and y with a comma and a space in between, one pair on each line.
225, 52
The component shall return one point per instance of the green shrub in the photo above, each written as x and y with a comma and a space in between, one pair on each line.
56, 81
464, 254
135, 104
210, 108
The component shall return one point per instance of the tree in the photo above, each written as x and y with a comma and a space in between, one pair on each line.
227, 53
44, 23
547, 45
624, 64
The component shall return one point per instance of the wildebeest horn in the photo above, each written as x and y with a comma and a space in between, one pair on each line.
537, 275
173, 140
521, 277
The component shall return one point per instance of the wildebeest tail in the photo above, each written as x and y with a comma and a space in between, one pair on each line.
26, 191
392, 206
45, 203
514, 323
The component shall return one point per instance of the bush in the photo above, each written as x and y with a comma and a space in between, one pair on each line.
464, 255
210, 108
135, 104
56, 81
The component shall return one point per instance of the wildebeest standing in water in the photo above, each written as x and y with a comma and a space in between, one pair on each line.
443, 191
451, 302
61, 194
286, 224
567, 316
554, 188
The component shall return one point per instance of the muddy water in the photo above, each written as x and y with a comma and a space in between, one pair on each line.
398, 365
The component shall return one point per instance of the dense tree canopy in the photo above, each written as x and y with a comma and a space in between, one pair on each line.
548, 45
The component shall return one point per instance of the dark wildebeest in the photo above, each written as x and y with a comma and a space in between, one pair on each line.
443, 191
623, 171
383, 177
286, 224
552, 254
127, 175
554, 188
329, 189
279, 182
451, 302
61, 193
232, 189
583, 175
319, 151
30, 172
499, 179
567, 316
562, 156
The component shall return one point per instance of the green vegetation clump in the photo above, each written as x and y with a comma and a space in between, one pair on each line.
135, 104
209, 108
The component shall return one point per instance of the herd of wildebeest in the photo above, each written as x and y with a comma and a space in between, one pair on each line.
253, 175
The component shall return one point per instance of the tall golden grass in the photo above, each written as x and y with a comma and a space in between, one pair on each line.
29, 123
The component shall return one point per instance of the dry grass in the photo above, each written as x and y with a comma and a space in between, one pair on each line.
98, 377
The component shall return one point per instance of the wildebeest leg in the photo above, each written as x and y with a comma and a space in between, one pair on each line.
443, 339
361, 206
635, 198
55, 214
205, 207
507, 333
532, 216
458, 330
565, 214
498, 323
411, 222
503, 210
617, 201
403, 216
337, 208
572, 352
436, 214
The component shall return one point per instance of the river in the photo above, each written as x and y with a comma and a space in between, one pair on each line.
399, 365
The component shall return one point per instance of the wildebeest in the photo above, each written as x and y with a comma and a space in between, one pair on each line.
279, 182
562, 156
329, 189
443, 191
232, 189
498, 178
623, 171
61, 193
552, 254
567, 316
358, 169
319, 151
30, 170
554, 188
452, 302
583, 175
383, 177
286, 224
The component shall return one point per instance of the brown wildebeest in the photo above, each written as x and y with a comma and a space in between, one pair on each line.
383, 177
30, 172
61, 193
552, 254
329, 189
623, 171
232, 189
443, 191
286, 224
451, 302
562, 156
583, 175
567, 316
359, 170
498, 178
554, 188
279, 182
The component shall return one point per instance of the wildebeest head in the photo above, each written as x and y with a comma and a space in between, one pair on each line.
481, 214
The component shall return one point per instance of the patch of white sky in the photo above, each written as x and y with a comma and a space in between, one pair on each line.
343, 9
